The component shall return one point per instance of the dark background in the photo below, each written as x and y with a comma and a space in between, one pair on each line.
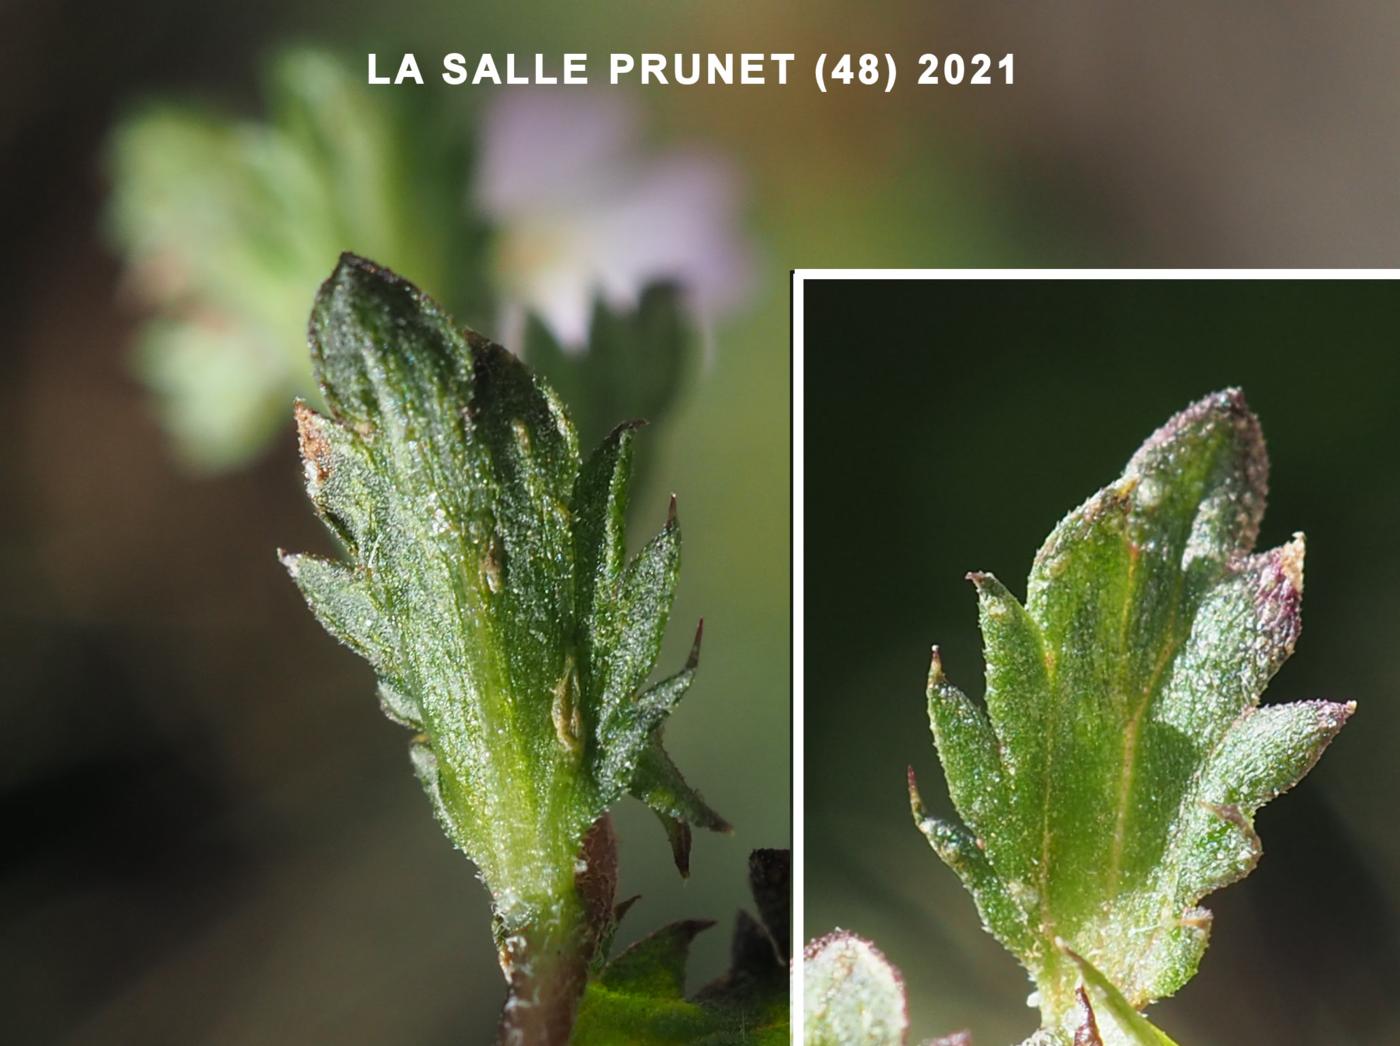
950, 425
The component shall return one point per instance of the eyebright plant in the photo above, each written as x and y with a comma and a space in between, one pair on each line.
225, 224
486, 581
1111, 778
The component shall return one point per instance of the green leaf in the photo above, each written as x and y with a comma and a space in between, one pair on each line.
226, 226
658, 783
635, 366
485, 582
851, 994
1131, 1026
642, 990
1110, 780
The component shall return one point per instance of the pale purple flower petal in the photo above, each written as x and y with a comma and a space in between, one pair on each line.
580, 214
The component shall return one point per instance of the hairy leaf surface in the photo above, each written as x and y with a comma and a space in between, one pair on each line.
486, 580
1110, 780
851, 993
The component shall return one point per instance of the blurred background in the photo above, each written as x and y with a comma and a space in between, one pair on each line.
215, 834
963, 421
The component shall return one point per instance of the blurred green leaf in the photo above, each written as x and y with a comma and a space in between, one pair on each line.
635, 365
639, 996
1112, 779
227, 227
851, 994
486, 581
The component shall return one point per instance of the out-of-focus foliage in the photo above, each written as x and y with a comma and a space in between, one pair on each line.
228, 226
486, 581
544, 219
1112, 779
636, 364
639, 995
851, 993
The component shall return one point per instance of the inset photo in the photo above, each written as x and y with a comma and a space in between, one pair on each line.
1055, 678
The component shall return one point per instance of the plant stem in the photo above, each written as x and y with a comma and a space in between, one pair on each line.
546, 961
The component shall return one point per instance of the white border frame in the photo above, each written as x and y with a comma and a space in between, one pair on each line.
799, 278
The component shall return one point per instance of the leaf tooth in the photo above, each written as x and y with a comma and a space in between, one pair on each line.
599, 507
457, 824
341, 599
627, 727
1271, 748
656, 964
965, 854
1239, 852
624, 906
693, 661
770, 882
1171, 956
338, 481
1266, 752
1104, 513
1244, 630
396, 703
645, 595
678, 836
967, 748
1215, 449
368, 326
521, 420
313, 444
659, 784
1018, 672
1278, 597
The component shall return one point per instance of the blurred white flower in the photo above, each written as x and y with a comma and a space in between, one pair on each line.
581, 213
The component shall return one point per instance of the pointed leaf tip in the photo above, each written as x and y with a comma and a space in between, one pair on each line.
659, 784
679, 836
693, 661
380, 347
655, 965
935, 667
625, 906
